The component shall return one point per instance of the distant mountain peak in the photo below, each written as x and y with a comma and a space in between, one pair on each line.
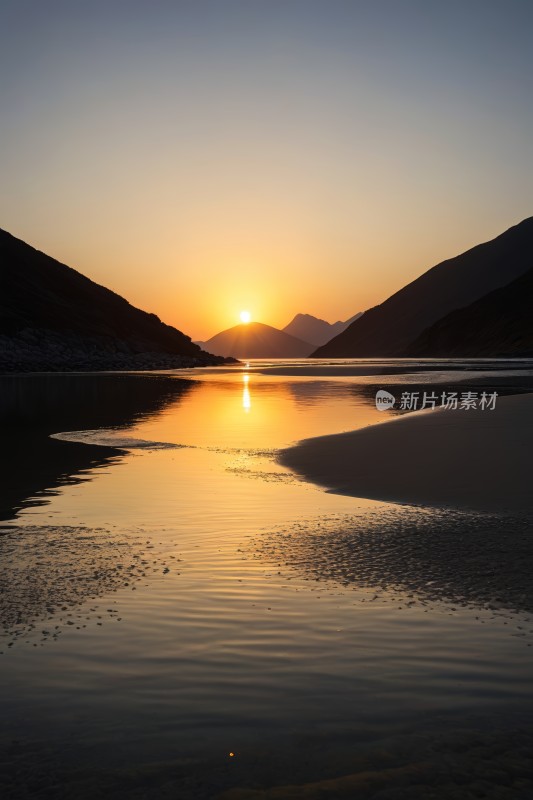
257, 340
315, 330
301, 316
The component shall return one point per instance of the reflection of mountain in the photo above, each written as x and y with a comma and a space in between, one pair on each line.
311, 393
388, 329
256, 340
315, 330
34, 406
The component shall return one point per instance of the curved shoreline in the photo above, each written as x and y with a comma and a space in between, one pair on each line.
463, 459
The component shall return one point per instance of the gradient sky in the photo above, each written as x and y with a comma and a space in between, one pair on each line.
207, 156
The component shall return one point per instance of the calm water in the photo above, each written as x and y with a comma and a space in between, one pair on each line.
147, 632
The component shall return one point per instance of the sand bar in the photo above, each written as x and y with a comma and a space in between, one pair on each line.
464, 459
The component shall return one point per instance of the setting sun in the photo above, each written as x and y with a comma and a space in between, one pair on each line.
344, 169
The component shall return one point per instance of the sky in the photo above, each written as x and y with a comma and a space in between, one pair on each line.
201, 157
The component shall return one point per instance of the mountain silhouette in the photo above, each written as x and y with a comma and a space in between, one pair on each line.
316, 330
498, 324
257, 340
47, 305
389, 329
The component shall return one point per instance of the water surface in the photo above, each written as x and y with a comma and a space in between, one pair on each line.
168, 629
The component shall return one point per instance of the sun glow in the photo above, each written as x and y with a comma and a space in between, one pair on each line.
245, 317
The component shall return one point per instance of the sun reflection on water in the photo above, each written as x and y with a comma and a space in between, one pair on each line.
246, 400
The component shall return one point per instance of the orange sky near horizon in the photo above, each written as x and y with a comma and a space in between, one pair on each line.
273, 284
309, 156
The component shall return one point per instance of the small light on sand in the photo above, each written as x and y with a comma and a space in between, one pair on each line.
231, 755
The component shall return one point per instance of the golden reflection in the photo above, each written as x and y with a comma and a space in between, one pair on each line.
212, 413
246, 402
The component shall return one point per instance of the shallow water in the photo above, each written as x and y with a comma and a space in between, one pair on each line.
154, 623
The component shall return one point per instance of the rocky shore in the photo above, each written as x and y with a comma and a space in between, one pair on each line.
38, 350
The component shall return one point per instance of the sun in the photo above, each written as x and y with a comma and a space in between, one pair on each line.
245, 317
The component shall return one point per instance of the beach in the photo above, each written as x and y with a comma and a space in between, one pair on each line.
446, 458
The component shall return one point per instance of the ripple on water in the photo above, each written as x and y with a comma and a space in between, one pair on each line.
47, 572
467, 558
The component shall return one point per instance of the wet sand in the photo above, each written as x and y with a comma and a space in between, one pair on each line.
456, 765
415, 556
472, 368
48, 573
461, 459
